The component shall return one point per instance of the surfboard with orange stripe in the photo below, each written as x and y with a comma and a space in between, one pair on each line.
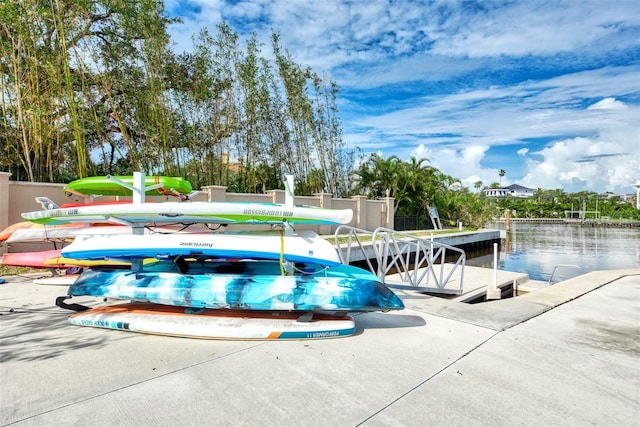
215, 324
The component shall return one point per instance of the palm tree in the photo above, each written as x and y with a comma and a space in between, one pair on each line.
502, 173
403, 180
477, 185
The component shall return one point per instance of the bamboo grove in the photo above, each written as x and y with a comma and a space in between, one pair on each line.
93, 87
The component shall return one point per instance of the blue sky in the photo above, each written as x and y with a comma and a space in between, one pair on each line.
549, 91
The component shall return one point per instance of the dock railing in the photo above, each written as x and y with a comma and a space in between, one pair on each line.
414, 263
565, 266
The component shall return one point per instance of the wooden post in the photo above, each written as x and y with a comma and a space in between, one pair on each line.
507, 214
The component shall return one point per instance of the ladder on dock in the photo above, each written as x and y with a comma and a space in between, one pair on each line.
403, 260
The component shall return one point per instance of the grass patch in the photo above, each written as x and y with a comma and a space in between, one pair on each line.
10, 270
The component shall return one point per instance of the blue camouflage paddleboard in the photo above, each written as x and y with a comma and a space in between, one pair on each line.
248, 285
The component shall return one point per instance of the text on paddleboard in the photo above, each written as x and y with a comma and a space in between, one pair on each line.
268, 212
62, 212
197, 244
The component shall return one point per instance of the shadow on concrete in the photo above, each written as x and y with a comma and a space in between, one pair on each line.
30, 335
387, 321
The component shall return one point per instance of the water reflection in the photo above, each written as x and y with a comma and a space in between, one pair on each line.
536, 249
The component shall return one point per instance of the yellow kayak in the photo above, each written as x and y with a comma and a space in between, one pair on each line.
72, 262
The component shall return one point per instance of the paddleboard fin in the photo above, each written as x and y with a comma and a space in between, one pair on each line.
191, 195
46, 203
306, 317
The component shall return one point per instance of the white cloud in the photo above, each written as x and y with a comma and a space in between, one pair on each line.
502, 115
464, 164
534, 28
607, 104
587, 164
604, 158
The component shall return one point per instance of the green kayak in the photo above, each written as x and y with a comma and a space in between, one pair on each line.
105, 185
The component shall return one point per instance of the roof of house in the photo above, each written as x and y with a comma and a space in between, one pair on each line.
513, 188
518, 188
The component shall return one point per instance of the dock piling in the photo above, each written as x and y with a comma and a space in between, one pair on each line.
493, 292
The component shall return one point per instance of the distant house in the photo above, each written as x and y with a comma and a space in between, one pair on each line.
514, 190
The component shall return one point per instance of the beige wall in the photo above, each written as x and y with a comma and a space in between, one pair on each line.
17, 197
4, 199
4, 204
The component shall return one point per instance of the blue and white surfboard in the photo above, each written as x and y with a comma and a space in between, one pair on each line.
305, 246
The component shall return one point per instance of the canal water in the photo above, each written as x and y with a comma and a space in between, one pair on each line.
562, 250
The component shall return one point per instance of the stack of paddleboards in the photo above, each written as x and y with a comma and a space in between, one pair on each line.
250, 284
60, 234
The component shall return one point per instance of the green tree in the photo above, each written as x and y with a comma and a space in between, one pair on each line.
93, 87
62, 88
415, 186
378, 177
501, 173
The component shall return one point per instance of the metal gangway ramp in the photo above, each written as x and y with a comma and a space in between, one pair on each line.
403, 260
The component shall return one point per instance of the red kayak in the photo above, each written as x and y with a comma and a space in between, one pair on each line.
32, 259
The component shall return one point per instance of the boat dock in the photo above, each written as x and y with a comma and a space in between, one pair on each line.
454, 281
563, 355
589, 222
466, 240
475, 283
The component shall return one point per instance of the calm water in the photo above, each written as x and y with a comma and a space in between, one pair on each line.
537, 248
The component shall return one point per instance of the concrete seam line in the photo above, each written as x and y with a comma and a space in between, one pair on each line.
417, 386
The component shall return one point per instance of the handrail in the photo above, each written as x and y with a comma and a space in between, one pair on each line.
352, 233
419, 263
562, 265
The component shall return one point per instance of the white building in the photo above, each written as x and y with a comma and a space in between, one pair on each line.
513, 190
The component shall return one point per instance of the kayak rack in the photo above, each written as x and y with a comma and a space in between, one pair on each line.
403, 260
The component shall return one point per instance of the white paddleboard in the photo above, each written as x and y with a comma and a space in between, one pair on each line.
215, 324
62, 280
54, 233
305, 246
193, 212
